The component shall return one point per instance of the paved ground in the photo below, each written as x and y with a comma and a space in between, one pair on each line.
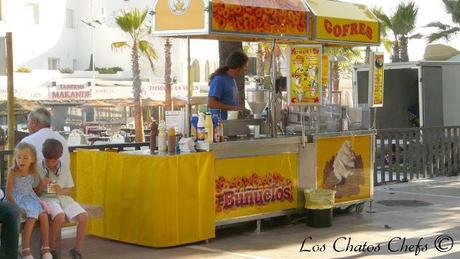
422, 212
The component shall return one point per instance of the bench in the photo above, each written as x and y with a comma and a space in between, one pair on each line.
94, 212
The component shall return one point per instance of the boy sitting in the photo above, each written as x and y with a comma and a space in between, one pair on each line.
54, 187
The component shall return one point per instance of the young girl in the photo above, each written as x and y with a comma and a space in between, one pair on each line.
20, 193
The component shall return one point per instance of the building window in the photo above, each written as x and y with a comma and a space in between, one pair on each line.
53, 63
69, 18
195, 71
32, 13
74, 64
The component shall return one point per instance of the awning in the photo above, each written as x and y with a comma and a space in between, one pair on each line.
336, 21
305, 21
237, 19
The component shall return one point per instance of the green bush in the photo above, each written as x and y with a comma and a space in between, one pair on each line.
108, 70
66, 70
23, 70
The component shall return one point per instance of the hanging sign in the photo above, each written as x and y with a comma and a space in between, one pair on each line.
304, 76
325, 70
376, 80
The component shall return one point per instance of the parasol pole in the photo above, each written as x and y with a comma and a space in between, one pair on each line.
188, 108
10, 91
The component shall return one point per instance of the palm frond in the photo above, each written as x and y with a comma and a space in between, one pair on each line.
415, 36
387, 44
453, 8
438, 25
120, 45
404, 18
147, 49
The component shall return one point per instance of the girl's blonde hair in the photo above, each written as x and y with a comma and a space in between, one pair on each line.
21, 146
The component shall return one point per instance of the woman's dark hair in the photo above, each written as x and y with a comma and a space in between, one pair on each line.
235, 60
280, 84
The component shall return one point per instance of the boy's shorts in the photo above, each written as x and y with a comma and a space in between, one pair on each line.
71, 211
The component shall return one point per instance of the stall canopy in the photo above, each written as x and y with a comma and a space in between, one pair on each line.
325, 21
343, 22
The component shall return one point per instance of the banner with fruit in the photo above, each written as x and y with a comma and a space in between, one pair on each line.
343, 164
287, 17
304, 76
254, 185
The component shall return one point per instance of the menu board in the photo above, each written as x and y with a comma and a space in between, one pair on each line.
376, 79
304, 77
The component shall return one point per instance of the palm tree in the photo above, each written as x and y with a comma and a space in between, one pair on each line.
403, 23
339, 68
168, 80
384, 37
132, 22
446, 31
387, 22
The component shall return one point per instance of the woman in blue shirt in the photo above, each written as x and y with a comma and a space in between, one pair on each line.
223, 92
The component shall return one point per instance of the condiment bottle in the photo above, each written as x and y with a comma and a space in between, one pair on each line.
153, 136
171, 140
194, 123
209, 129
215, 125
162, 137
200, 130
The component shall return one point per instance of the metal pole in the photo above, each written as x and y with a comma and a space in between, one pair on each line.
188, 109
10, 90
331, 78
273, 92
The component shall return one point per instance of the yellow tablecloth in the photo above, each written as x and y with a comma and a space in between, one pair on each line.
154, 201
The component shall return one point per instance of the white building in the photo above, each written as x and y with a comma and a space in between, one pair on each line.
61, 34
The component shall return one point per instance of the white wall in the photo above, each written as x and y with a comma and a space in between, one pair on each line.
34, 44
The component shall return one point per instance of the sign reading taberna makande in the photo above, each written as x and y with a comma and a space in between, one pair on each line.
376, 84
304, 76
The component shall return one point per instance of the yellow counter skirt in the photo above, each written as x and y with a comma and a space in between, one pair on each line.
156, 201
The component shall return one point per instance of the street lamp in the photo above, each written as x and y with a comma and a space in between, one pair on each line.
93, 23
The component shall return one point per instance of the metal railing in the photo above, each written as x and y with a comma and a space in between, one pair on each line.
4, 155
414, 153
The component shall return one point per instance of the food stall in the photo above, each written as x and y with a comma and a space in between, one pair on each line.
165, 200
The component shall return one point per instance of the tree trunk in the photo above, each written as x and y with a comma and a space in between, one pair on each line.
403, 49
225, 49
395, 56
138, 118
168, 81
260, 60
368, 55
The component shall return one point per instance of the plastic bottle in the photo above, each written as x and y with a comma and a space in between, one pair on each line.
171, 140
194, 124
208, 129
162, 137
153, 136
200, 130
215, 124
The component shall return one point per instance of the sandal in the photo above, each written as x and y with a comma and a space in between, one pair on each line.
26, 250
46, 252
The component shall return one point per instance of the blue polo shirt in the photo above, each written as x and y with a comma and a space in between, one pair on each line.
224, 88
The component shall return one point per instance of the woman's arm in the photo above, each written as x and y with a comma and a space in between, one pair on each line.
213, 103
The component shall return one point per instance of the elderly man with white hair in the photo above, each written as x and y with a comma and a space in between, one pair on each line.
39, 126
